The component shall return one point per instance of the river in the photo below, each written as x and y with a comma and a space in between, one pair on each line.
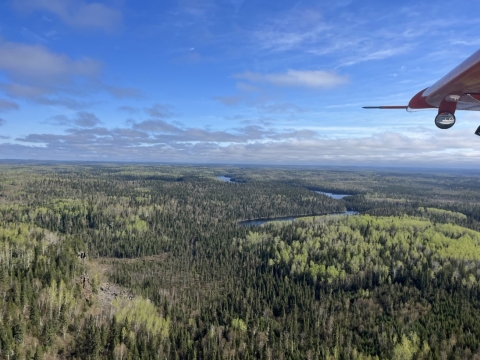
225, 178
333, 196
258, 222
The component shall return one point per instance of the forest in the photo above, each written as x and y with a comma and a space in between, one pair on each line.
148, 261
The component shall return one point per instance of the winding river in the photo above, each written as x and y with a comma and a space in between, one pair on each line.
258, 222
332, 195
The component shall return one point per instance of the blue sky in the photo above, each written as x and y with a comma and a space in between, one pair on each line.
232, 81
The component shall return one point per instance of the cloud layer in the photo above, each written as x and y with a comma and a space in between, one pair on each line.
157, 140
82, 119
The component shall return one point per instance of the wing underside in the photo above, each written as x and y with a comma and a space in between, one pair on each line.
469, 102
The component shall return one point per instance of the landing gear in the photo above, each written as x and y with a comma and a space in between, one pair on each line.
445, 120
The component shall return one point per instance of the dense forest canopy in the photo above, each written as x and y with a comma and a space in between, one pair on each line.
149, 261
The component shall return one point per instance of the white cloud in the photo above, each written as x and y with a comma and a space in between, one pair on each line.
158, 140
23, 91
378, 54
297, 78
86, 119
51, 78
159, 111
8, 105
291, 30
230, 100
83, 119
37, 62
77, 13
121, 92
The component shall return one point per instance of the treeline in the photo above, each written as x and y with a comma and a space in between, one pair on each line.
459, 212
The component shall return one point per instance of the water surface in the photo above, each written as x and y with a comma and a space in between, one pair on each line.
332, 195
225, 178
258, 222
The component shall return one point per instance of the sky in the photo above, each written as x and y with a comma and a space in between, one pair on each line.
232, 81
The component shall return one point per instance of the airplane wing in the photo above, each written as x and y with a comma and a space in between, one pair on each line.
458, 90
469, 102
457, 84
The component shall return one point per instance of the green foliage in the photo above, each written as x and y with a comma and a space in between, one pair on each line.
141, 313
401, 283
343, 250
239, 325
37, 270
443, 213
406, 348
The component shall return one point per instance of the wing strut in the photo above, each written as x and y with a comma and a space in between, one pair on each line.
386, 107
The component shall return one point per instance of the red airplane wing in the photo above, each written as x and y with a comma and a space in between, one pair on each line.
457, 85
460, 87
458, 90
